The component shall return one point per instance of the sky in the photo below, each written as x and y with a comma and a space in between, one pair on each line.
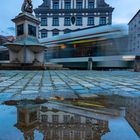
123, 12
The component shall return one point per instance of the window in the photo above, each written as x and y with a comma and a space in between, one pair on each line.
67, 31
77, 119
67, 5
33, 116
55, 21
20, 29
44, 34
90, 20
55, 32
55, 118
102, 20
79, 5
90, 4
79, 21
56, 5
32, 30
66, 118
43, 21
44, 118
67, 21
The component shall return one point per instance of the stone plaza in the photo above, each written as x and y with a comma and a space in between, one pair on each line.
19, 85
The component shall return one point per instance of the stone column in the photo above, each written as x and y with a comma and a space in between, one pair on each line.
95, 4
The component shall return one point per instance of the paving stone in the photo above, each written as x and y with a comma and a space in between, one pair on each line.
31, 84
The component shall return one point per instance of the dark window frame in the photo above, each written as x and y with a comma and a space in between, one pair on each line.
79, 21
90, 4
31, 30
44, 22
79, 5
20, 29
55, 5
44, 34
103, 21
90, 22
55, 33
67, 21
55, 21
67, 5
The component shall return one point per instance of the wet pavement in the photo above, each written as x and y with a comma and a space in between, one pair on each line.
69, 105
18, 85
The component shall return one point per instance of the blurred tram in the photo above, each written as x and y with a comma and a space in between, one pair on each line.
106, 46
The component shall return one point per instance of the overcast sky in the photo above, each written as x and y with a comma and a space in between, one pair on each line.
124, 11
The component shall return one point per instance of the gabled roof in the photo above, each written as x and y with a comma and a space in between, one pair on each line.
134, 17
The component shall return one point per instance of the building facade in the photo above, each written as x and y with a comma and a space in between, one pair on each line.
4, 53
54, 124
132, 110
63, 16
134, 34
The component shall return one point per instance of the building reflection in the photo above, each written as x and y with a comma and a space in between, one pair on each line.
27, 120
58, 125
133, 113
132, 110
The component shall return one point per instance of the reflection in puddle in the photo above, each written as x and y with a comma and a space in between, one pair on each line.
47, 122
58, 125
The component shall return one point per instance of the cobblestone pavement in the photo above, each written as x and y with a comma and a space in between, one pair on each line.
68, 84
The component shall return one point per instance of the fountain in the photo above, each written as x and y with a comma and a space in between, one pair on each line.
26, 51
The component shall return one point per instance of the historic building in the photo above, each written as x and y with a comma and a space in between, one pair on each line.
132, 110
54, 124
63, 16
134, 34
4, 53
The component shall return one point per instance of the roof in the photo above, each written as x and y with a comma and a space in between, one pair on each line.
134, 17
26, 41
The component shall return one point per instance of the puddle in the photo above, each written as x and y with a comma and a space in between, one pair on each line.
104, 118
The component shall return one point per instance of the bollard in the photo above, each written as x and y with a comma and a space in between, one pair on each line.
90, 63
137, 64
